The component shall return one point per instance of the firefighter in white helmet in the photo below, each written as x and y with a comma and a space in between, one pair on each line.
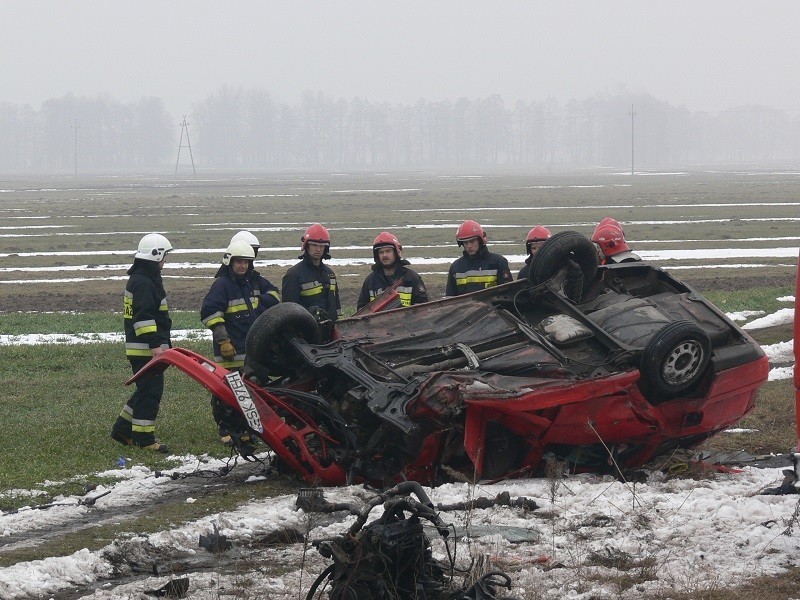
237, 297
147, 334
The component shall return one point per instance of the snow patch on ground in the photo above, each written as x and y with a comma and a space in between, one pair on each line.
783, 316
697, 533
743, 315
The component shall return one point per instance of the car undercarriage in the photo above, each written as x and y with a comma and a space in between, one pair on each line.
602, 367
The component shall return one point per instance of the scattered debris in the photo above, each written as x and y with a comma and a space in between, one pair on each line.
392, 557
215, 542
176, 588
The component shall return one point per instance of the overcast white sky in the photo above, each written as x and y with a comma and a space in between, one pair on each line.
707, 55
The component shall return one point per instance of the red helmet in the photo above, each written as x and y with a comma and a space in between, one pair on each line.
610, 221
539, 233
387, 239
610, 239
469, 230
316, 233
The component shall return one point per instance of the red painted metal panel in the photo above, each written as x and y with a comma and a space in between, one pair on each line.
797, 350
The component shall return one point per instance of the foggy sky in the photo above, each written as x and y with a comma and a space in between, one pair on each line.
708, 55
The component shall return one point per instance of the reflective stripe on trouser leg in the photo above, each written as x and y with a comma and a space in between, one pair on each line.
144, 404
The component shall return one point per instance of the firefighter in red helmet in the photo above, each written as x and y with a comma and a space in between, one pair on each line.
611, 245
389, 267
311, 283
610, 221
536, 237
477, 268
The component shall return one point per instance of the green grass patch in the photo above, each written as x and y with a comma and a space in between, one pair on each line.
19, 323
754, 298
61, 402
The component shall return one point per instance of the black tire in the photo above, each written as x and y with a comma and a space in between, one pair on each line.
557, 252
676, 358
266, 347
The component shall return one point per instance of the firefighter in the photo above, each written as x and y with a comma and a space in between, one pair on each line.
478, 268
311, 283
270, 295
389, 267
147, 334
611, 221
536, 237
237, 297
611, 245
248, 237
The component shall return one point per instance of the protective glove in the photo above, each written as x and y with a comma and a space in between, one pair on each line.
320, 314
226, 350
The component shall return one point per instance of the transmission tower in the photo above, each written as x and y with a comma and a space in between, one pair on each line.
184, 127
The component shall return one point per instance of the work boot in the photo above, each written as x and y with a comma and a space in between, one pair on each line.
224, 433
245, 445
156, 447
122, 439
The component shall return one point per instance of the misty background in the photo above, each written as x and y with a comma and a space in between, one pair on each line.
96, 86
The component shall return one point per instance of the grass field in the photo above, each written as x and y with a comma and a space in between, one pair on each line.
68, 242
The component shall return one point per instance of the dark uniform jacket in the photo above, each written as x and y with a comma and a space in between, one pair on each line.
145, 311
235, 302
472, 274
411, 290
312, 287
526, 268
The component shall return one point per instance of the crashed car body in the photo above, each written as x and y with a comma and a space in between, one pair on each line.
604, 368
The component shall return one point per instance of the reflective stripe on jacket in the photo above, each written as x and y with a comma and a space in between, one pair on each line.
411, 290
310, 286
145, 310
236, 302
470, 274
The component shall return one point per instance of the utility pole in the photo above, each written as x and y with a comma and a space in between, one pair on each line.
75, 127
633, 114
184, 127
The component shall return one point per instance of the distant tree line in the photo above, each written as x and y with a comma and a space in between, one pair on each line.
101, 133
236, 128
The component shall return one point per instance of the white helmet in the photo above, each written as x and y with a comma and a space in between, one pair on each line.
238, 249
153, 247
247, 237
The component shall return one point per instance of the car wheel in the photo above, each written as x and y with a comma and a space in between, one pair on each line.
676, 358
558, 252
266, 347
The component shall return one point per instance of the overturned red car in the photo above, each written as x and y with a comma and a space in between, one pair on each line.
602, 367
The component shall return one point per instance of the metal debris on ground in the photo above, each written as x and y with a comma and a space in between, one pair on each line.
176, 588
392, 557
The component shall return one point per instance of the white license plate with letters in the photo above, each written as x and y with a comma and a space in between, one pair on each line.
245, 401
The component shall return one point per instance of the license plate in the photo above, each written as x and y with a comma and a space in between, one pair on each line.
245, 401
